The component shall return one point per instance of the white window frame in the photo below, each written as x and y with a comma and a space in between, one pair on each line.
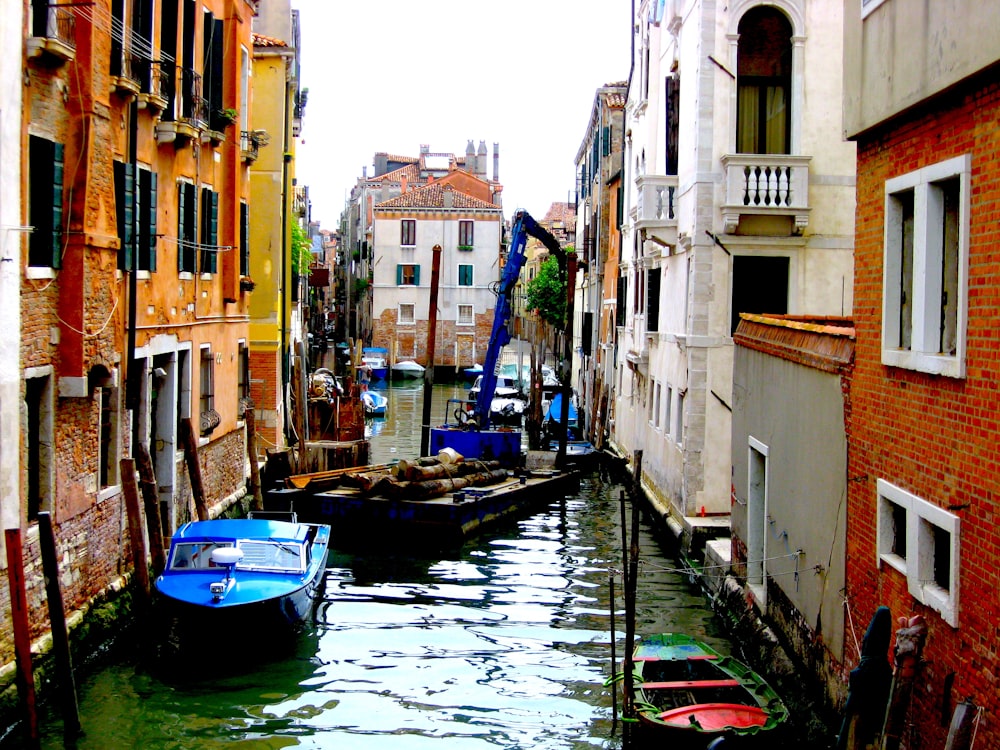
867, 6
402, 223
918, 566
668, 427
461, 320
407, 319
925, 303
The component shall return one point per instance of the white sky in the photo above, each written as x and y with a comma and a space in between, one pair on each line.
389, 75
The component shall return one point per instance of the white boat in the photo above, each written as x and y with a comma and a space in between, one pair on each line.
374, 403
408, 369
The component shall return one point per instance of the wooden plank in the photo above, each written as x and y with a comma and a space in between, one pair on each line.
689, 684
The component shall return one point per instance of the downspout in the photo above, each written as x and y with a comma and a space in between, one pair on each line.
285, 291
133, 371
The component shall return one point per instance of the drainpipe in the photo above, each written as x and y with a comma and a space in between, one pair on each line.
132, 371
285, 292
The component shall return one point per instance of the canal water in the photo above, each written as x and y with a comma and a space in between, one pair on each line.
506, 643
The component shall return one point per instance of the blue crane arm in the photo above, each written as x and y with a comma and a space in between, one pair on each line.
524, 226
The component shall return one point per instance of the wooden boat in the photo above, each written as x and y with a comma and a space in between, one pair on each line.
243, 573
374, 403
685, 690
407, 369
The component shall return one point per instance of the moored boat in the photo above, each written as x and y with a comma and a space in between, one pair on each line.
243, 573
407, 369
375, 403
685, 690
374, 358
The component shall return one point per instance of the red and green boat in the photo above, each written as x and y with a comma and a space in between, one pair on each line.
684, 688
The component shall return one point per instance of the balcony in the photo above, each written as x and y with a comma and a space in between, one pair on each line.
124, 76
155, 94
654, 212
251, 141
53, 32
774, 185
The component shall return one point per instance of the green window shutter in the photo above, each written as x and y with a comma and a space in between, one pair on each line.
606, 140
58, 159
416, 275
151, 222
244, 239
399, 274
124, 200
213, 224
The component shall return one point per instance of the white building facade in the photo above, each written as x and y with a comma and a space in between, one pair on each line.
739, 197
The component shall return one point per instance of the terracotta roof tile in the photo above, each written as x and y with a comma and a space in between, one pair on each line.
394, 157
259, 40
411, 172
432, 196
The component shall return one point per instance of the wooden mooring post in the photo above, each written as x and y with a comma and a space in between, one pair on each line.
135, 523
194, 468
22, 635
151, 504
255, 489
57, 624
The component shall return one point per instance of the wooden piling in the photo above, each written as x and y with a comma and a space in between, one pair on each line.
22, 634
151, 505
135, 523
194, 467
251, 424
57, 624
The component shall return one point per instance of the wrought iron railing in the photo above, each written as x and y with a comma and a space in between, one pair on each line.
53, 22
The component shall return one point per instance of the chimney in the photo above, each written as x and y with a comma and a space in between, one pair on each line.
481, 160
448, 198
402, 186
496, 162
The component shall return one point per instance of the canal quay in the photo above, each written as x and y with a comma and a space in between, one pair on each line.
506, 642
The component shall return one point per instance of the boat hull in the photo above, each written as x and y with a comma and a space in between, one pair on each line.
260, 595
686, 691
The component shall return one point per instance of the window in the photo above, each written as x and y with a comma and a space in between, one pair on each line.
925, 275
408, 232
620, 301
764, 74
406, 313
760, 285
667, 405
465, 274
135, 206
465, 235
39, 438
45, 175
653, 300
407, 274
209, 230
678, 430
466, 316
655, 401
213, 71
108, 466
243, 379
244, 239
209, 417
187, 227
921, 541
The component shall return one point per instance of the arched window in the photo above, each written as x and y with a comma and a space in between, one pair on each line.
764, 75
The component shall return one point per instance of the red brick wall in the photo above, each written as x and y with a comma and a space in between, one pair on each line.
935, 436
266, 392
386, 332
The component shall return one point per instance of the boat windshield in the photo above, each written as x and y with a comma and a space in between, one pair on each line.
195, 555
257, 555
270, 555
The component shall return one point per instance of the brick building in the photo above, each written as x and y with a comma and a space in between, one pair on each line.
924, 499
405, 230
133, 181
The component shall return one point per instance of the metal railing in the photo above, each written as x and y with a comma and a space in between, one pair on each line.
53, 22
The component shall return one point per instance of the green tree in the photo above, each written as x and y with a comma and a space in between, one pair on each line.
301, 249
547, 292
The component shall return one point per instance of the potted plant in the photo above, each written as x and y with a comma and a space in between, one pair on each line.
228, 115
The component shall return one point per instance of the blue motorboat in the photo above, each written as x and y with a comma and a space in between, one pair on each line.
374, 403
375, 358
244, 573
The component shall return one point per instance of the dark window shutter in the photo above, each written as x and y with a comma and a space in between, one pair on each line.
124, 208
621, 300
416, 276
58, 157
399, 275
587, 333
653, 299
150, 223
605, 140
244, 239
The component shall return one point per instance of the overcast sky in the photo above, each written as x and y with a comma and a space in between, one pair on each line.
390, 75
